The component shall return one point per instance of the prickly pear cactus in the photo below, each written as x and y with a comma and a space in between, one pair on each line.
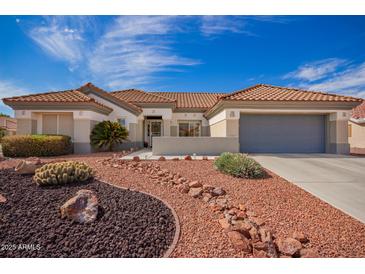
63, 173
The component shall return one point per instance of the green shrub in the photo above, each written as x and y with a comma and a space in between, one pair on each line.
63, 173
239, 165
107, 134
36, 145
2, 133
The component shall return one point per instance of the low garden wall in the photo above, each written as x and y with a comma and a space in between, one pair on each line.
191, 145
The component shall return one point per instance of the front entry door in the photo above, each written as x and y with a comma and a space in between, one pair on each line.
153, 128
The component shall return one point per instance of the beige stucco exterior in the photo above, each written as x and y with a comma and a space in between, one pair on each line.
226, 123
357, 137
219, 129
194, 145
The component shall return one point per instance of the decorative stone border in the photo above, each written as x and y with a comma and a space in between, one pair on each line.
243, 227
169, 251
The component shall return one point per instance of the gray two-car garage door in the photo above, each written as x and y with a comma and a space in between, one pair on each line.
282, 133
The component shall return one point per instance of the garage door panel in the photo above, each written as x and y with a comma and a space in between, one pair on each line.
282, 133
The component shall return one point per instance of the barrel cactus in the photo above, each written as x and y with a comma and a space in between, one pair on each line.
63, 173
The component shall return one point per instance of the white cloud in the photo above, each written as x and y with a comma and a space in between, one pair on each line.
9, 89
331, 75
316, 70
134, 49
350, 81
215, 25
61, 37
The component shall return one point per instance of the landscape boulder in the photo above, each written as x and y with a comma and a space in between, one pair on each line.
162, 158
224, 223
239, 242
208, 188
243, 228
183, 188
195, 192
28, 166
218, 191
188, 158
195, 184
82, 208
300, 237
289, 246
308, 253
2, 199
136, 158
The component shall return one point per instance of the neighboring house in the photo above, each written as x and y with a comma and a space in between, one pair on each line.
9, 124
357, 130
261, 118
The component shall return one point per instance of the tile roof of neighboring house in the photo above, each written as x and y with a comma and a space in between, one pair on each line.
203, 100
263, 92
359, 111
8, 123
136, 96
66, 96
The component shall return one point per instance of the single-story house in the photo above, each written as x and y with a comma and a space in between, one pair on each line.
8, 124
357, 130
259, 119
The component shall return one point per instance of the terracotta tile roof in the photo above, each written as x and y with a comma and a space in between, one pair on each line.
136, 96
89, 87
264, 92
55, 96
359, 111
133, 98
66, 96
203, 100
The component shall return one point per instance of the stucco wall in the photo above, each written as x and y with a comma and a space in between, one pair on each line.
26, 126
357, 139
187, 116
218, 129
337, 140
117, 112
232, 127
226, 123
191, 145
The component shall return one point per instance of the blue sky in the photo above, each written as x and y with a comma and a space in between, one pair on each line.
181, 53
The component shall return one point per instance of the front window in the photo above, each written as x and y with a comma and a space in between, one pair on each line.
189, 128
121, 121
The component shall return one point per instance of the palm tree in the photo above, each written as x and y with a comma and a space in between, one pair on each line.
107, 134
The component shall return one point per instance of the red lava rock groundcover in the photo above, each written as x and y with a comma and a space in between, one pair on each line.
286, 209
129, 223
246, 232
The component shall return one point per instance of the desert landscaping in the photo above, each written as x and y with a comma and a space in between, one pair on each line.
218, 215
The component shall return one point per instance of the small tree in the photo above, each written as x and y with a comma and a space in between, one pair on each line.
107, 134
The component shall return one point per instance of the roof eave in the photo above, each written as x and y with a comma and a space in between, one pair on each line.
330, 105
59, 105
90, 88
358, 120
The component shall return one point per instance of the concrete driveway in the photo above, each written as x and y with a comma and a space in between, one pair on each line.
337, 179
